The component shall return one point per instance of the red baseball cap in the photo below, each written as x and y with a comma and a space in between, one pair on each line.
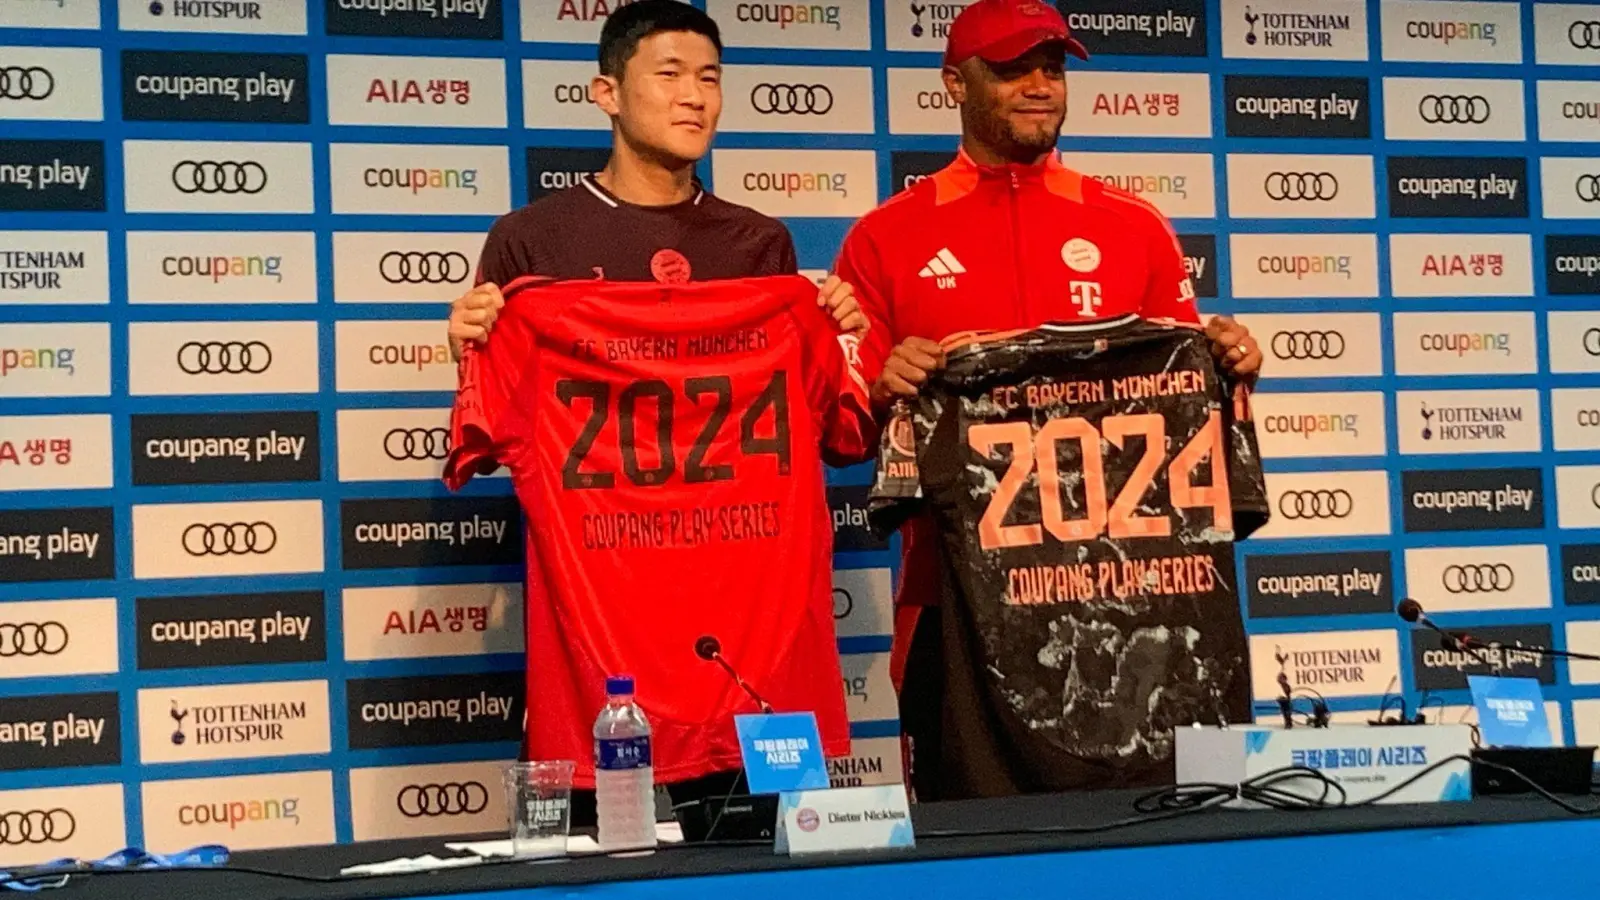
1002, 30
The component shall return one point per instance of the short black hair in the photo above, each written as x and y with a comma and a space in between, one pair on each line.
630, 24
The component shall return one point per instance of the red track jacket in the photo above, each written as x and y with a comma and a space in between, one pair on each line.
978, 248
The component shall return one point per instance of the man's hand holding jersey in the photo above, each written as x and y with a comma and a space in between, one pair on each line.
473, 314
839, 297
1232, 343
906, 370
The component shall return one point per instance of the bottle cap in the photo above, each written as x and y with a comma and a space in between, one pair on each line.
618, 685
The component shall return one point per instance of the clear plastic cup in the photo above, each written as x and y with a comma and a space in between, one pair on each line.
539, 805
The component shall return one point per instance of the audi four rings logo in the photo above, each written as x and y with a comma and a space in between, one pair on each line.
227, 177
1591, 342
449, 799
424, 267
36, 826
231, 539
843, 603
1584, 35
1335, 504
1454, 109
1302, 186
1308, 345
1479, 578
224, 358
792, 99
26, 83
417, 443
32, 639
1588, 188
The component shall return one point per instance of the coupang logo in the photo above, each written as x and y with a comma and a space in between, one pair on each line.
1462, 344
1580, 109
234, 813
784, 15
433, 9
1310, 425
217, 269
37, 359
411, 356
418, 179
1453, 32
1148, 184
791, 183
56, 173
1301, 266
469, 19
1436, 187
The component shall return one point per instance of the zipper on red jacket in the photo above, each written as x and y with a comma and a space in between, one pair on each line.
1019, 297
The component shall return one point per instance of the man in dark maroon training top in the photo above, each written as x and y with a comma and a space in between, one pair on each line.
645, 217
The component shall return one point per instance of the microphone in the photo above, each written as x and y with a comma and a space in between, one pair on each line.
708, 648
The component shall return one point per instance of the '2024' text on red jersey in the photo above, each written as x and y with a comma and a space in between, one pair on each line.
1087, 482
666, 443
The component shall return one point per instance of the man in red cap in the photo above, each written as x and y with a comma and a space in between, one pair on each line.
1005, 237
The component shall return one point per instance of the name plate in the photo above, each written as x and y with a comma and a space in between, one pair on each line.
843, 819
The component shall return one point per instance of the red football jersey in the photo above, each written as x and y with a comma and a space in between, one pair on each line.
666, 443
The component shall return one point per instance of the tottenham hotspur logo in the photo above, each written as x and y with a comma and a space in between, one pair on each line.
916, 27
1250, 19
178, 715
1427, 423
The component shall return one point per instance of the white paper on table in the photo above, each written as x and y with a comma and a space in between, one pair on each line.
412, 864
577, 844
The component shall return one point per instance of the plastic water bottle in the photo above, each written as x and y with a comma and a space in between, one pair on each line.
624, 781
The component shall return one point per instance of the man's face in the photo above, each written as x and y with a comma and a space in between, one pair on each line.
1014, 107
669, 97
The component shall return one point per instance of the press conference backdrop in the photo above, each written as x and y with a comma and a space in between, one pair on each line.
236, 604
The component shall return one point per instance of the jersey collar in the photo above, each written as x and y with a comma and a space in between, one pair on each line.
613, 201
964, 176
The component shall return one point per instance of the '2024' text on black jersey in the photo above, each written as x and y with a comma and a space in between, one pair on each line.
1088, 482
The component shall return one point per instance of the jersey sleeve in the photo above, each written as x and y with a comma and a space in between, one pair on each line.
896, 493
486, 426
861, 266
1247, 485
1169, 292
837, 391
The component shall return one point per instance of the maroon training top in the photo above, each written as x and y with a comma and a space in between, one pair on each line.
586, 232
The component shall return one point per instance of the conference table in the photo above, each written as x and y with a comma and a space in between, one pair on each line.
1024, 847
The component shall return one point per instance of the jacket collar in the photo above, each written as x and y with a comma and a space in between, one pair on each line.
965, 176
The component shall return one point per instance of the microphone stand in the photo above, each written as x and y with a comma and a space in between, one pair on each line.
1468, 642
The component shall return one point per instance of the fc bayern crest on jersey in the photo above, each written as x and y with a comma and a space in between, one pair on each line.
1081, 255
670, 267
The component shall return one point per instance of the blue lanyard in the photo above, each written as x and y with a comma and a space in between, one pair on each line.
52, 874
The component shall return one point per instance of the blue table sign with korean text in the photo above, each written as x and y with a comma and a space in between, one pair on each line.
782, 752
1510, 711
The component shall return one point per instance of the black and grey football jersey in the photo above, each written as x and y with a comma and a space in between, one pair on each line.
1088, 481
